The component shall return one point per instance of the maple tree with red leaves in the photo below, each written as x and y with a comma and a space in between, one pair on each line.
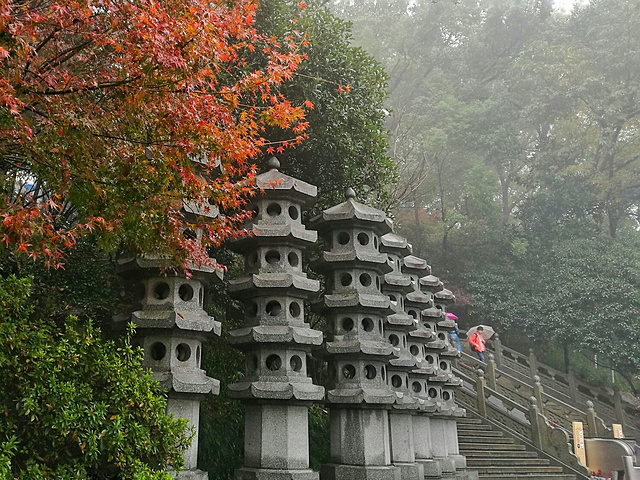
105, 105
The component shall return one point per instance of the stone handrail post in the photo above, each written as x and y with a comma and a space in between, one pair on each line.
536, 431
553, 440
592, 421
491, 371
533, 363
573, 385
537, 391
497, 346
481, 384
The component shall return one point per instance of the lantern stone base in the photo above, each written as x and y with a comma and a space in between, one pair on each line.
447, 465
430, 467
194, 474
410, 471
271, 474
359, 472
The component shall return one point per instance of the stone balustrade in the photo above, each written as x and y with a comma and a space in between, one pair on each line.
526, 423
612, 405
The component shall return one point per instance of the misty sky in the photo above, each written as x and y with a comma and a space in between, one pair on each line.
566, 5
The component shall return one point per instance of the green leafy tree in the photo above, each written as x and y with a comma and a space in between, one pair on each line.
75, 406
578, 292
346, 88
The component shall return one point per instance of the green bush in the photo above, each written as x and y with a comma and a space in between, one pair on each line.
75, 406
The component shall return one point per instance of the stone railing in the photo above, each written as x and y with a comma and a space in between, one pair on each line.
555, 410
527, 424
612, 405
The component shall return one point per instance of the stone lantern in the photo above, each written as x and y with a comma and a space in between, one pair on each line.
421, 339
444, 426
397, 328
171, 325
356, 350
275, 338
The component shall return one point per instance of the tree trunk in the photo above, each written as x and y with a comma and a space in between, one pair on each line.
418, 225
629, 380
565, 351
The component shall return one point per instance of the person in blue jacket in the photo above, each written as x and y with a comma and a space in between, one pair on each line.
454, 338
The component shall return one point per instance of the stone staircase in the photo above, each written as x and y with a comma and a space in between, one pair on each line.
520, 415
496, 456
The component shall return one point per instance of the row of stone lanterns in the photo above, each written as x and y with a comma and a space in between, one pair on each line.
391, 388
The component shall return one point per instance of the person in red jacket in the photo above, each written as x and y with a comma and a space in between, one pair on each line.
478, 343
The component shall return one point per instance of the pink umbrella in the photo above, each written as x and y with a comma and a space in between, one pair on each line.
451, 316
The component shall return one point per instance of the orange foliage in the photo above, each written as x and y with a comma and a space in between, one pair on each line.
104, 103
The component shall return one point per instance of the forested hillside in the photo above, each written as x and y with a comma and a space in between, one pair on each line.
515, 128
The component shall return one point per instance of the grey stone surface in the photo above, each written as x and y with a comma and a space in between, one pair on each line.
431, 283
354, 214
188, 409
359, 472
401, 436
274, 334
272, 280
415, 264
395, 243
276, 437
356, 348
439, 445
270, 474
171, 326
276, 183
360, 436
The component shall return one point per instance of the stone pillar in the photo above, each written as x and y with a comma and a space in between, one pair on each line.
497, 346
171, 325
355, 348
533, 363
276, 389
538, 390
491, 371
397, 328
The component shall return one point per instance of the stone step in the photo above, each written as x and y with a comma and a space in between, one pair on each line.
524, 454
490, 446
473, 462
472, 427
531, 476
479, 433
527, 470
481, 438
467, 420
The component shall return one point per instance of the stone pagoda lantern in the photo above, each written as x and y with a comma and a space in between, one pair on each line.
171, 325
443, 425
397, 328
356, 350
416, 301
276, 389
